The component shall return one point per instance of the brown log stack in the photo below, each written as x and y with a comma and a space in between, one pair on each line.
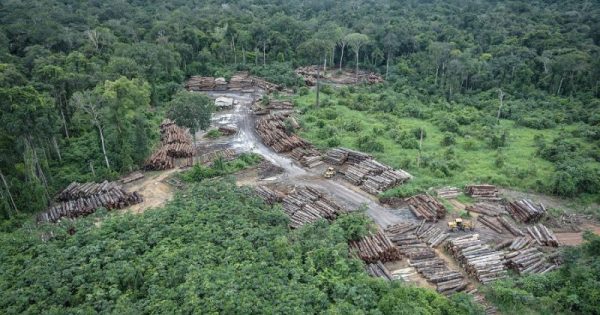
448, 192
525, 210
175, 142
82, 199
375, 247
269, 195
306, 205
415, 241
426, 207
489, 209
511, 227
483, 192
543, 235
272, 130
530, 260
479, 259
491, 223
378, 270
131, 177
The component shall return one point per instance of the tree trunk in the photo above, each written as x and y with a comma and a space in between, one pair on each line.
342, 56
332, 60
324, 64
256, 56
357, 66
64, 123
56, 148
501, 97
243, 55
387, 66
264, 53
233, 46
92, 169
318, 83
103, 146
437, 71
12, 201
559, 86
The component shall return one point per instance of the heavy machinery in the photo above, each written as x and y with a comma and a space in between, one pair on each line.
459, 224
329, 173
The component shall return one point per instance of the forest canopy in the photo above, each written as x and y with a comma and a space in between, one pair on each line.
541, 56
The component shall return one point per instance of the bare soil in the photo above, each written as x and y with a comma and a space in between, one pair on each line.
153, 188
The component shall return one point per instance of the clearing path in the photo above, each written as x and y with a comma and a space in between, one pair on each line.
153, 188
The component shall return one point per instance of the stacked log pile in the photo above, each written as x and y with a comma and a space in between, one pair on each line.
265, 85
525, 210
336, 156
520, 243
307, 205
83, 199
226, 155
530, 260
160, 160
483, 192
543, 235
309, 74
273, 133
491, 223
198, 83
176, 142
412, 241
240, 81
228, 130
131, 178
425, 207
307, 156
479, 259
378, 269
513, 229
488, 209
269, 195
375, 247
448, 192
373, 176
280, 105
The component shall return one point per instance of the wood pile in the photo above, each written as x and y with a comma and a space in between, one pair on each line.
269, 195
268, 169
336, 156
412, 241
488, 209
543, 235
265, 85
513, 229
160, 160
83, 199
448, 192
226, 155
307, 205
228, 130
272, 131
520, 243
240, 81
525, 210
375, 247
425, 207
279, 105
483, 192
530, 260
131, 178
307, 156
176, 142
373, 176
477, 258
309, 74
491, 223
198, 83
378, 270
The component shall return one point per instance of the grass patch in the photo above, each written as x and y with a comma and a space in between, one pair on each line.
213, 134
220, 167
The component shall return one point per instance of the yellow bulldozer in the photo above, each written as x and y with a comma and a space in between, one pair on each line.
459, 224
329, 173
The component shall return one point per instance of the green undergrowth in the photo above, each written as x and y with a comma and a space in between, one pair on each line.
215, 249
220, 167
457, 148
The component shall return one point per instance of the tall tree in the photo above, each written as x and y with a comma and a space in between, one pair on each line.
91, 105
191, 110
356, 41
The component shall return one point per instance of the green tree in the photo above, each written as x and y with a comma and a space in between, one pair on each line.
191, 110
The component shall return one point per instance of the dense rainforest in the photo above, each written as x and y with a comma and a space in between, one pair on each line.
446, 62
506, 92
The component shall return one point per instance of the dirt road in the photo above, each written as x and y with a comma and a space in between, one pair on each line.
246, 140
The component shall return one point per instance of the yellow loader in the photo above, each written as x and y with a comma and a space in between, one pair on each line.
459, 224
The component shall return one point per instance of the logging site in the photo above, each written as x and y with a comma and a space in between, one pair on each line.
281, 157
